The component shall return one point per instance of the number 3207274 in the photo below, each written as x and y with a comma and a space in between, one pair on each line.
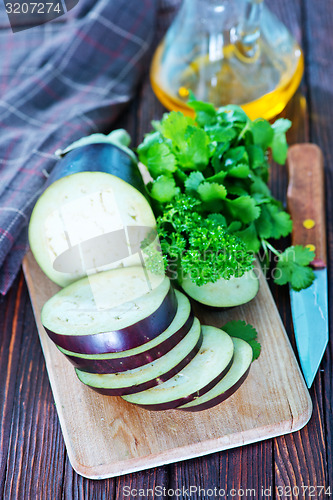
32, 8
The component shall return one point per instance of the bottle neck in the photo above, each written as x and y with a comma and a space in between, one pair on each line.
247, 32
223, 23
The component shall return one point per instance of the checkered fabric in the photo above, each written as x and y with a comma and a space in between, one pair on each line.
58, 82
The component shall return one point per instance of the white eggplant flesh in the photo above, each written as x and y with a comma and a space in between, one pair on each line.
224, 293
88, 222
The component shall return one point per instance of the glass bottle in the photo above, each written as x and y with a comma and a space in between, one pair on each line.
227, 52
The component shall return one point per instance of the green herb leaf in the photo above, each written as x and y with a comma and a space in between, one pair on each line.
205, 112
164, 189
148, 142
256, 349
221, 134
243, 208
218, 219
262, 133
240, 171
232, 114
235, 156
235, 188
244, 331
240, 329
174, 126
250, 238
217, 162
160, 160
258, 186
211, 191
302, 255
279, 142
195, 154
293, 267
273, 223
302, 277
192, 182
234, 226
219, 178
256, 156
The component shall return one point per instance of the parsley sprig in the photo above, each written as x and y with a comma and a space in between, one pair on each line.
199, 247
220, 158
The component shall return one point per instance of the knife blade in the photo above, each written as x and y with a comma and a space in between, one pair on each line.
306, 205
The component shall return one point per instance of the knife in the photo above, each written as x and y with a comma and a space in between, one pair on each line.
306, 205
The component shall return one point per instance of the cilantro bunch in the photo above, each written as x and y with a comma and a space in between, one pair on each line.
220, 158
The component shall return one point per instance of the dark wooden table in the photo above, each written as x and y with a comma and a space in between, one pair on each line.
33, 458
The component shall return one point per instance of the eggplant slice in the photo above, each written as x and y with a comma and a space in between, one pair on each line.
206, 369
150, 375
142, 355
230, 382
111, 311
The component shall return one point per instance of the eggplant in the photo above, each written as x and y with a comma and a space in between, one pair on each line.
110, 311
142, 355
224, 293
206, 369
150, 375
89, 222
229, 384
99, 157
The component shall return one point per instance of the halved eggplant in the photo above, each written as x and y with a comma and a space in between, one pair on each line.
89, 222
208, 367
144, 354
230, 382
224, 293
111, 311
150, 375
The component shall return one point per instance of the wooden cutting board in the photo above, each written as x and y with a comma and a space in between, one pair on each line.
106, 436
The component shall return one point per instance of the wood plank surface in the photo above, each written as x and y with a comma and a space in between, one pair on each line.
320, 98
106, 436
299, 458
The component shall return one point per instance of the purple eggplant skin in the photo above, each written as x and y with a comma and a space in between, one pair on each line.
124, 339
156, 381
220, 398
117, 365
99, 157
171, 405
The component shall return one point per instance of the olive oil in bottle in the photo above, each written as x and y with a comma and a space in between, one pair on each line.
227, 52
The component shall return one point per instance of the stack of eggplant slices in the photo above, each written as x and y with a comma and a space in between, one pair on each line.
125, 328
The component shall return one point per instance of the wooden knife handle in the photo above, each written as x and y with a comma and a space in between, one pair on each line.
306, 199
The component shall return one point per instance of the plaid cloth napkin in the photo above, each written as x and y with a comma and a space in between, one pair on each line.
60, 81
